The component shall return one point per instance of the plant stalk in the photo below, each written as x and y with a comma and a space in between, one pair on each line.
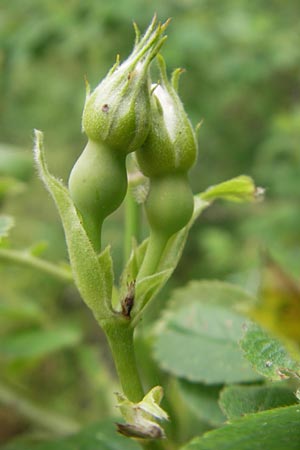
156, 246
120, 338
132, 223
26, 259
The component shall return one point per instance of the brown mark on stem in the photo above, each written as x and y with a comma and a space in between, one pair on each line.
128, 300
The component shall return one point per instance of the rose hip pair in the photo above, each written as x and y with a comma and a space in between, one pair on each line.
126, 114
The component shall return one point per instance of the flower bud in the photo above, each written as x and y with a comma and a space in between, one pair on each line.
165, 157
116, 113
171, 144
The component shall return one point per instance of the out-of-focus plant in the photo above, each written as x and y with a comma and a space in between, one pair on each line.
197, 355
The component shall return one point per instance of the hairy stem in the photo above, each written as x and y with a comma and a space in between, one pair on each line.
120, 338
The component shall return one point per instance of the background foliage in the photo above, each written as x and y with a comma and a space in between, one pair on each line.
243, 74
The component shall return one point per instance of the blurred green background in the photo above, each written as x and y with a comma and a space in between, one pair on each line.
242, 79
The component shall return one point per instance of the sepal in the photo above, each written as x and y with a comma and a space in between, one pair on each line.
142, 419
93, 274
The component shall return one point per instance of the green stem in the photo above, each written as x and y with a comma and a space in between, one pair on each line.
120, 338
94, 231
156, 245
48, 420
26, 259
132, 223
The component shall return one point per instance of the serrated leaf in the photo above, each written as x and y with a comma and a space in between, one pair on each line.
268, 355
277, 429
198, 337
213, 292
101, 436
203, 401
38, 343
6, 224
239, 189
92, 274
237, 401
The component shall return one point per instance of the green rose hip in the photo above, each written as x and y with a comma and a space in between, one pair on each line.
165, 157
117, 111
169, 205
171, 144
116, 121
98, 184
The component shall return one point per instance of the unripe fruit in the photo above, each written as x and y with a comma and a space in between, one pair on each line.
171, 145
119, 120
97, 185
165, 157
117, 112
169, 205
116, 121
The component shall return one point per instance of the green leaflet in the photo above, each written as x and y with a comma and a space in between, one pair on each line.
203, 401
199, 334
237, 401
276, 429
93, 274
268, 355
239, 189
